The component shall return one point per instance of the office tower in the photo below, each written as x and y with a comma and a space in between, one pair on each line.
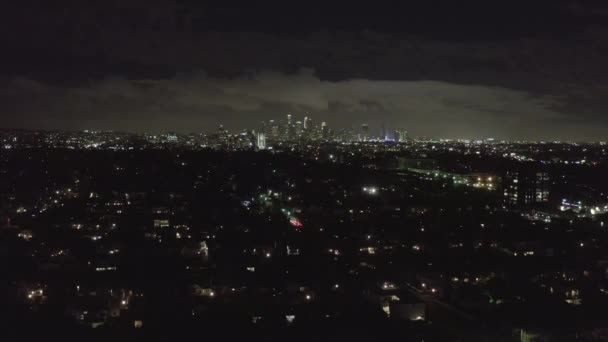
172, 137
525, 186
222, 132
324, 130
364, 132
383, 132
298, 129
274, 130
291, 132
222, 135
286, 134
269, 129
305, 123
264, 128
400, 135
261, 141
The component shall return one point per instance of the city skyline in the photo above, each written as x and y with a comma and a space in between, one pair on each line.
374, 135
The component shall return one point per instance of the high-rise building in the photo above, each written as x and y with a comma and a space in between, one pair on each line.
364, 132
324, 130
264, 128
291, 131
306, 123
383, 135
400, 135
526, 186
172, 137
221, 130
298, 128
288, 129
261, 141
269, 129
274, 130
222, 136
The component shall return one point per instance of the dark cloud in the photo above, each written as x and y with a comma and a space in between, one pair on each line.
454, 109
508, 69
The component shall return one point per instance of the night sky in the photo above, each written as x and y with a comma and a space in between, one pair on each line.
504, 69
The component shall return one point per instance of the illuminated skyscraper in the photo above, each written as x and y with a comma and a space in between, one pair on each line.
306, 122
261, 141
383, 132
324, 130
288, 129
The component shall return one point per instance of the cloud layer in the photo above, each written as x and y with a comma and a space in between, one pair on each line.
504, 69
197, 102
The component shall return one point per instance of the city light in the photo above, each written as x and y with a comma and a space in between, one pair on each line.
370, 190
213, 222
295, 222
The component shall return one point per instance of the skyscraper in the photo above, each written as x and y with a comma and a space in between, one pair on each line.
222, 134
265, 128
324, 130
274, 131
288, 130
261, 141
291, 131
383, 132
400, 135
364, 132
306, 122
172, 137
